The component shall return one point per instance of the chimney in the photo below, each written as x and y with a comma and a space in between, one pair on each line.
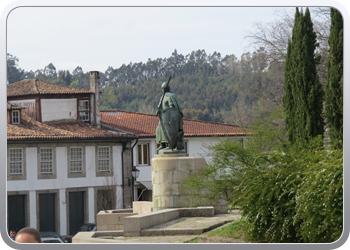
95, 98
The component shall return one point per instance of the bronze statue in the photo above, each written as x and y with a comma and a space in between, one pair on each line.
169, 132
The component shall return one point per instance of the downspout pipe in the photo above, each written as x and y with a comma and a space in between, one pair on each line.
132, 165
124, 148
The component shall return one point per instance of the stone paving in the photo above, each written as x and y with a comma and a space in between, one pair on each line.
177, 231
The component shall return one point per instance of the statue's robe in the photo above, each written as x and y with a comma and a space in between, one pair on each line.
168, 100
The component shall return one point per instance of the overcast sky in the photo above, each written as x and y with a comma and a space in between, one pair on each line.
97, 37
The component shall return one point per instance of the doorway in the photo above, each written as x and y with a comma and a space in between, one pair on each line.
76, 211
16, 212
47, 212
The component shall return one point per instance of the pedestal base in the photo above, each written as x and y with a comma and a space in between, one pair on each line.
167, 173
172, 152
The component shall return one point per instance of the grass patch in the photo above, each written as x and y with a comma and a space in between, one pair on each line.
192, 241
234, 230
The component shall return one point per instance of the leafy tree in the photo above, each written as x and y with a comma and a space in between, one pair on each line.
109, 99
50, 71
74, 84
334, 84
268, 193
319, 206
274, 36
81, 78
287, 192
67, 78
303, 100
231, 158
14, 73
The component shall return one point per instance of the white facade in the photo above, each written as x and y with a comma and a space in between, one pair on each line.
63, 182
195, 146
65, 173
57, 109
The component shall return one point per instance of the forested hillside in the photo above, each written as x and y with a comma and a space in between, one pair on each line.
210, 87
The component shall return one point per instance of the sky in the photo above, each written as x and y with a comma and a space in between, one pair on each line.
95, 38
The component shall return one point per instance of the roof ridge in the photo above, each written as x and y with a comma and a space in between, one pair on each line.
37, 87
70, 87
119, 110
218, 123
133, 112
59, 131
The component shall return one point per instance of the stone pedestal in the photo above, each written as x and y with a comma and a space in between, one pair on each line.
167, 172
142, 207
109, 220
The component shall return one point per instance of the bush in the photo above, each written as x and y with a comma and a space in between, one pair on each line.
290, 198
230, 159
319, 203
286, 192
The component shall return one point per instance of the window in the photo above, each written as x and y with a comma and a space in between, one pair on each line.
103, 159
46, 158
46, 161
76, 166
76, 159
241, 142
15, 116
16, 161
142, 154
84, 110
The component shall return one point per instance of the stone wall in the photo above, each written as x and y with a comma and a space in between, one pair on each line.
167, 173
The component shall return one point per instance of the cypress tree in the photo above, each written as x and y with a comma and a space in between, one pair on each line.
288, 97
334, 83
304, 94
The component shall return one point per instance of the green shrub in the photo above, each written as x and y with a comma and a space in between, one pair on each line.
319, 203
267, 200
269, 192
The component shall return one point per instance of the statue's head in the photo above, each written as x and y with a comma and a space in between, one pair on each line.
165, 87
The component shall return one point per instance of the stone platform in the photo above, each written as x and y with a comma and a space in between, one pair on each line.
176, 231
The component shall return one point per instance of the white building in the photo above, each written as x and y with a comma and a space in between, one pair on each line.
62, 165
66, 159
197, 134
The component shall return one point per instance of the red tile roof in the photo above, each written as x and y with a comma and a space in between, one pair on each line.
34, 87
67, 129
144, 125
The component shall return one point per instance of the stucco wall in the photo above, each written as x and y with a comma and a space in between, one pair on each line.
62, 182
50, 111
196, 146
32, 182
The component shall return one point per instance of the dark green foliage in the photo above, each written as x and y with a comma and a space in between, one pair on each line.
231, 158
266, 194
319, 204
209, 87
293, 195
303, 101
210, 185
14, 73
334, 83
287, 192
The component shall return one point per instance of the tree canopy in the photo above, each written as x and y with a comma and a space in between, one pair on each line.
304, 94
334, 84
